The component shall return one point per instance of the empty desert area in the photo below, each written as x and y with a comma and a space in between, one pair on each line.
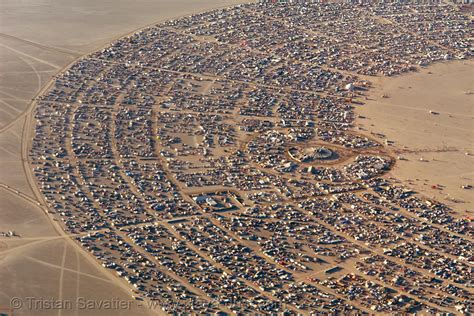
161, 157
429, 117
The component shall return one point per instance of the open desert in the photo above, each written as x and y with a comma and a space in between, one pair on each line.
429, 117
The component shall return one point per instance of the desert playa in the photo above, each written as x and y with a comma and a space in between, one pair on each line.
429, 117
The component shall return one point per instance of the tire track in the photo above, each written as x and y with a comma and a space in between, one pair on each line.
67, 269
30, 56
61, 277
38, 45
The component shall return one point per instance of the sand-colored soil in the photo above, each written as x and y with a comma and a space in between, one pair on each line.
444, 140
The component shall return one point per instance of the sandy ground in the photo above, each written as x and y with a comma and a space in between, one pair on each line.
445, 141
37, 40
